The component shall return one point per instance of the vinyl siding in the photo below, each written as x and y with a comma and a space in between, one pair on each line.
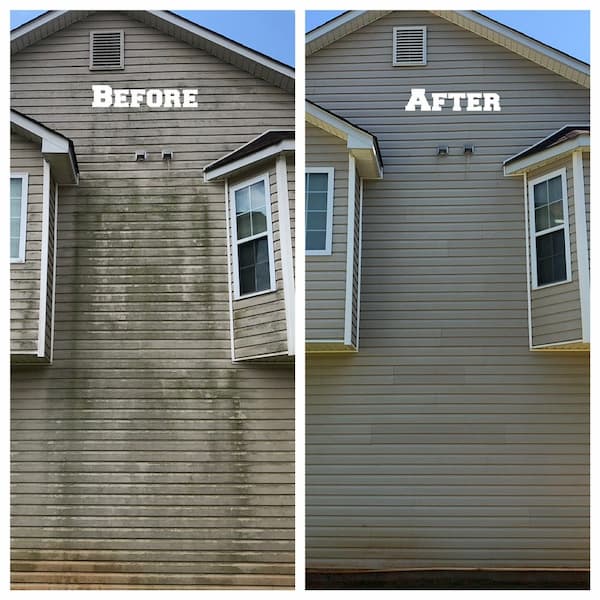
259, 324
25, 157
445, 442
142, 457
556, 310
326, 275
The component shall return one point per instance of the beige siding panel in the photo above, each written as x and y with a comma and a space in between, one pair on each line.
556, 310
326, 275
25, 157
259, 324
142, 457
445, 437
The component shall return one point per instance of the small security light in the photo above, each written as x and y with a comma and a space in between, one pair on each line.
442, 150
167, 154
141, 155
469, 149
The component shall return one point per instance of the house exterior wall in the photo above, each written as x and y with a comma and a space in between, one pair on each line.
259, 322
326, 275
142, 457
556, 310
445, 442
25, 157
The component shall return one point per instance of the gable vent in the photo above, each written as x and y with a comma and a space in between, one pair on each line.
410, 46
106, 50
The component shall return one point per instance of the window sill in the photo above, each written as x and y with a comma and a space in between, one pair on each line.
262, 292
549, 285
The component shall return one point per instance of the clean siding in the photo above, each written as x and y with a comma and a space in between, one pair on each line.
259, 324
445, 442
556, 310
326, 275
25, 157
142, 457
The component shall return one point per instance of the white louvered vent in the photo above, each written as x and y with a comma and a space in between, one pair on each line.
106, 50
410, 46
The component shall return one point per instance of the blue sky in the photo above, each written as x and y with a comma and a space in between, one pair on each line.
269, 32
272, 32
566, 30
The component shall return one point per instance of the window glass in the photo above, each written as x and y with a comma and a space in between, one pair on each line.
317, 211
551, 265
16, 193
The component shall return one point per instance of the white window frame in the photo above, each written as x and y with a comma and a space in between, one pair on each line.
533, 235
423, 28
24, 177
236, 242
329, 171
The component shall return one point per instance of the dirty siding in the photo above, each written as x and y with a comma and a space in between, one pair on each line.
445, 442
556, 310
259, 325
25, 157
142, 457
326, 275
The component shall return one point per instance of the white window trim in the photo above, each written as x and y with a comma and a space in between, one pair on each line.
24, 177
235, 242
404, 63
533, 235
330, 171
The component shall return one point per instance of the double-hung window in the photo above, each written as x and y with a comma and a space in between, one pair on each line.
18, 216
319, 210
253, 258
549, 226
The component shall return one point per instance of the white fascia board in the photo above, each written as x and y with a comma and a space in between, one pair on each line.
515, 36
532, 161
356, 139
27, 28
334, 24
51, 142
218, 40
230, 168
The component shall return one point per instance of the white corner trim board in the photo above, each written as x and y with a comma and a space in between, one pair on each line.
229, 273
350, 250
581, 243
287, 261
44, 258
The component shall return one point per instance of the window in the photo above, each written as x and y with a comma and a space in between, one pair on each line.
410, 46
549, 227
319, 210
18, 216
106, 50
254, 264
